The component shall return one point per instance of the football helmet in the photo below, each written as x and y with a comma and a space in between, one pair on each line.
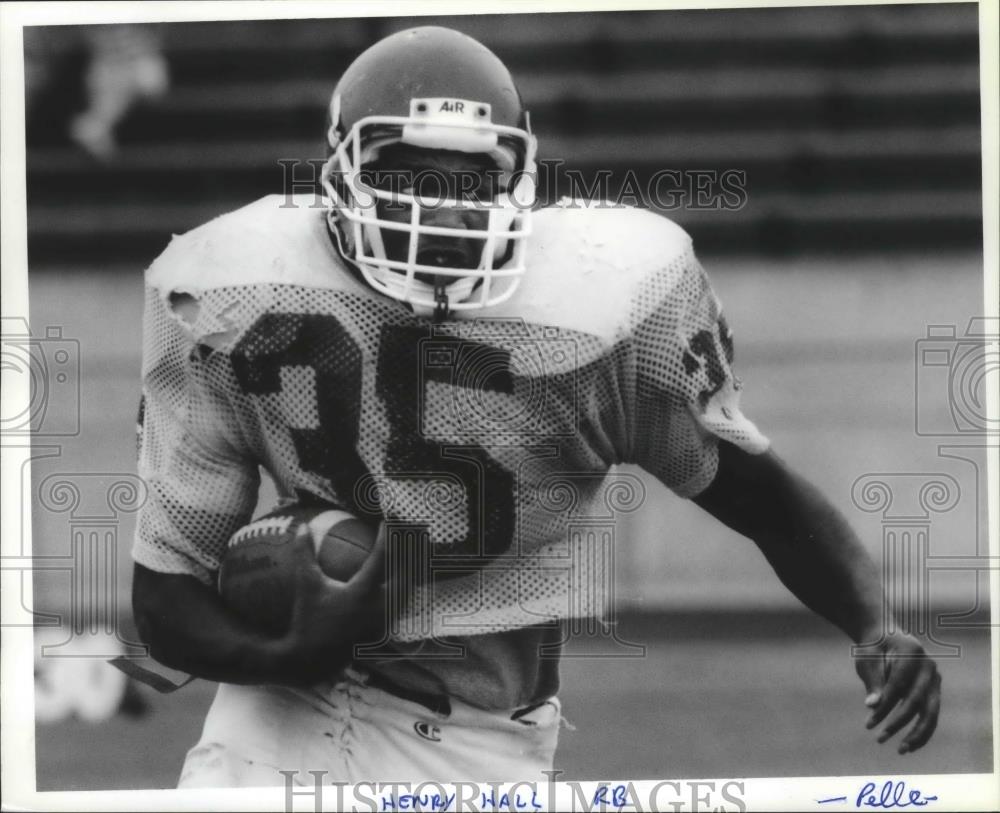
437, 89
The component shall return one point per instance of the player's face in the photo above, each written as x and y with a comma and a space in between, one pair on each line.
434, 176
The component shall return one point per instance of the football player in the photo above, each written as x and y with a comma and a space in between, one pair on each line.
427, 352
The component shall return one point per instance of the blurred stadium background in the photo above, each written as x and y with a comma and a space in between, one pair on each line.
858, 130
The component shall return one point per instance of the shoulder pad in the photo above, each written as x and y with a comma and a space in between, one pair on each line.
587, 260
623, 235
274, 240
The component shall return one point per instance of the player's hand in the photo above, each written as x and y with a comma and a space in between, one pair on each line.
900, 678
330, 617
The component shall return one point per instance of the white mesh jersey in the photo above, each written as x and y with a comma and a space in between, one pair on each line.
487, 439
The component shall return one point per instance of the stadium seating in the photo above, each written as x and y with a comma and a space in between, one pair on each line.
857, 127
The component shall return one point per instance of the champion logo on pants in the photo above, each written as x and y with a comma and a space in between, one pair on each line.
427, 731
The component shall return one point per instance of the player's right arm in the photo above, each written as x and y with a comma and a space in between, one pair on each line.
198, 496
188, 627
202, 483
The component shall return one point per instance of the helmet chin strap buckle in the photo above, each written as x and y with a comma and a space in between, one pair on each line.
440, 302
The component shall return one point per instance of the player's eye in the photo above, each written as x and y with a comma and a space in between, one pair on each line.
494, 184
434, 185
380, 179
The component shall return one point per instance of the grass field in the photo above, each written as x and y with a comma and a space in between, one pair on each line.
827, 350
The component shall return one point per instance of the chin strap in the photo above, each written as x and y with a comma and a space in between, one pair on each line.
440, 302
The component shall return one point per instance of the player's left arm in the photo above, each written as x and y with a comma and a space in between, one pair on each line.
820, 559
687, 429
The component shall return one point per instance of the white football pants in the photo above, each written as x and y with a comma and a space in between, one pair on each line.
357, 733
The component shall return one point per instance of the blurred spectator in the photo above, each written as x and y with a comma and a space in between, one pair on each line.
126, 66
81, 81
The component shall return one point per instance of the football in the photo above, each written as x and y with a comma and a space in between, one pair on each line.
256, 575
